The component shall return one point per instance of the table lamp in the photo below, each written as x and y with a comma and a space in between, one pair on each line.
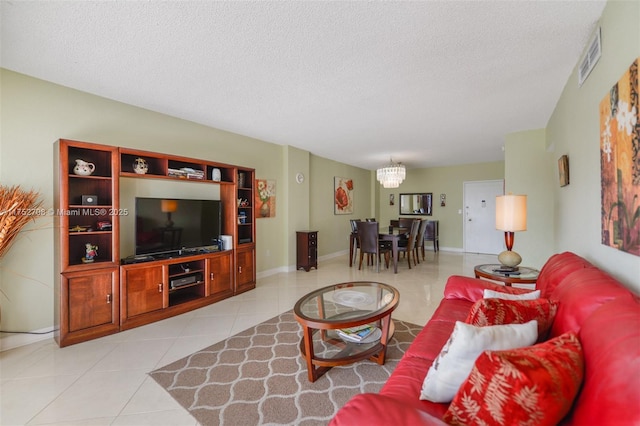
511, 216
168, 207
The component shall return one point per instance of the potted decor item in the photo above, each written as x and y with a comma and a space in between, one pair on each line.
17, 207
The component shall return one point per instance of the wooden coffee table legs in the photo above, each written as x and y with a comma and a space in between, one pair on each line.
316, 367
307, 341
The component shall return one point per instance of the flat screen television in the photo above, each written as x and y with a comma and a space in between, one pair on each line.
167, 225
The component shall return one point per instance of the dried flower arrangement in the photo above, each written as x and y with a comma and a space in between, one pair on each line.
16, 207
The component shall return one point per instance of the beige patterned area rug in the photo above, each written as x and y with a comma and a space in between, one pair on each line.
258, 377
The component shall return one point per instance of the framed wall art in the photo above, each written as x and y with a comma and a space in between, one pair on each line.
563, 170
620, 164
342, 195
265, 201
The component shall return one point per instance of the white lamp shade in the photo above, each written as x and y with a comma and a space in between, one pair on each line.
511, 213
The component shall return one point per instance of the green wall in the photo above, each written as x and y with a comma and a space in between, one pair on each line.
572, 213
440, 180
35, 113
528, 172
333, 230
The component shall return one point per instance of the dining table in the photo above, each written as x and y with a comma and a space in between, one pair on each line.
393, 235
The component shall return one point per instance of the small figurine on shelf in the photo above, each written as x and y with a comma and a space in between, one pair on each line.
91, 253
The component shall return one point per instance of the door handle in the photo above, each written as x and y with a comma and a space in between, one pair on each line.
108, 298
160, 288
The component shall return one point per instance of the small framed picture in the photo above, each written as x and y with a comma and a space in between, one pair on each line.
563, 170
392, 199
89, 200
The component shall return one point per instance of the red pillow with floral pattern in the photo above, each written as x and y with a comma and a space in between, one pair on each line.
535, 385
487, 312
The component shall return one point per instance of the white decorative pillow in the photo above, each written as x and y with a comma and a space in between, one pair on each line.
491, 294
451, 368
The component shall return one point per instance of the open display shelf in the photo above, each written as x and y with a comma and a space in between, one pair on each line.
96, 295
144, 164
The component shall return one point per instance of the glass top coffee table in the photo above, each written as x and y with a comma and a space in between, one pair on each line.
326, 313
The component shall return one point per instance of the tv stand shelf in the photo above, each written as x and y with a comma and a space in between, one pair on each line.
100, 294
186, 286
153, 290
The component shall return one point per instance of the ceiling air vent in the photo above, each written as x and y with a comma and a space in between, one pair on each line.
590, 58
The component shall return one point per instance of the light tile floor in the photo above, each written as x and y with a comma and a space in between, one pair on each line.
105, 381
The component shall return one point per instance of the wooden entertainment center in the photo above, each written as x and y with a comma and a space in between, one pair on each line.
97, 295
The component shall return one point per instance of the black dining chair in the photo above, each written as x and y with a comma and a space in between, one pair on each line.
420, 239
370, 244
410, 247
354, 231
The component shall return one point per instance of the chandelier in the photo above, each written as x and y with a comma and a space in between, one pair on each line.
391, 176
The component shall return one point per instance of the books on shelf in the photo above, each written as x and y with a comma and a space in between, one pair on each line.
186, 173
356, 334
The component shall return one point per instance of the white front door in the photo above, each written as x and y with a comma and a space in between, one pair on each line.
480, 234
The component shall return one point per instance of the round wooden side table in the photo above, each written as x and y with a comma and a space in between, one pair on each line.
523, 275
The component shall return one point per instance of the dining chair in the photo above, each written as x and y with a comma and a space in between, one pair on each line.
405, 225
432, 234
411, 243
405, 222
370, 244
420, 239
354, 230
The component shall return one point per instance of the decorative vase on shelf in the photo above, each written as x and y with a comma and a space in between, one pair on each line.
264, 209
140, 166
83, 168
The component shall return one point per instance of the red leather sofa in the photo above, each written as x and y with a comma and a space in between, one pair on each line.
605, 315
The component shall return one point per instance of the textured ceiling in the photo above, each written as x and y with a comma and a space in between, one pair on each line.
428, 83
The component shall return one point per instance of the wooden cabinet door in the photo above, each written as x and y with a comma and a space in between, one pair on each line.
220, 274
88, 306
142, 290
90, 300
246, 276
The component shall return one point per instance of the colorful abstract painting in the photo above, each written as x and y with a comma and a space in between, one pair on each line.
620, 164
342, 195
265, 198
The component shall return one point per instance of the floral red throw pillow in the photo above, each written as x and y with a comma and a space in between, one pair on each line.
487, 312
535, 385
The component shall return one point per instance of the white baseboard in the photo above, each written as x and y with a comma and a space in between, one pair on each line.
15, 340
454, 249
270, 272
